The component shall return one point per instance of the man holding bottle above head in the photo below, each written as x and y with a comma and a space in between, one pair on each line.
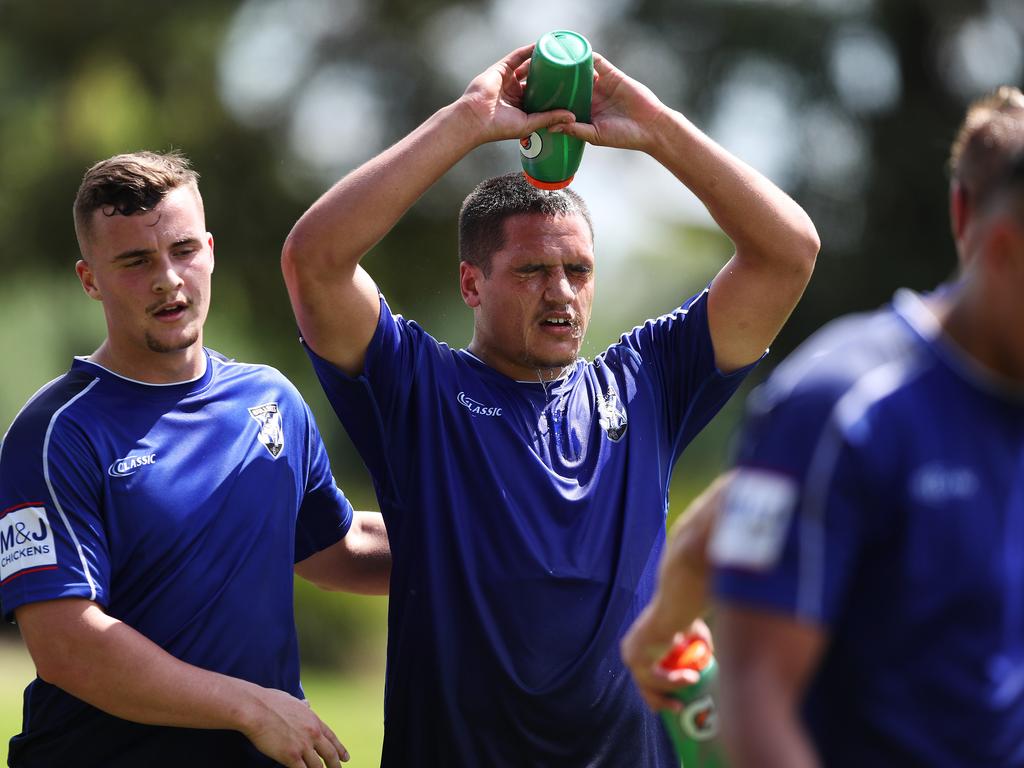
525, 489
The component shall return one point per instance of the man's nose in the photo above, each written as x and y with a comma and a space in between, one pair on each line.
559, 288
166, 277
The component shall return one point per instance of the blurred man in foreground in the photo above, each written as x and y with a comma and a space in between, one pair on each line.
869, 555
156, 500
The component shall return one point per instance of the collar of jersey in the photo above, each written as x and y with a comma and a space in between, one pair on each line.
172, 389
559, 382
915, 312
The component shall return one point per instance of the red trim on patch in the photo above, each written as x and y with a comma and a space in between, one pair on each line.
30, 570
16, 507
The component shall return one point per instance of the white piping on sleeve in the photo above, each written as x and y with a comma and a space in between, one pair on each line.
53, 495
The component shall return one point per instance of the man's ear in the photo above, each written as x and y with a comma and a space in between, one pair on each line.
959, 209
209, 242
88, 280
470, 277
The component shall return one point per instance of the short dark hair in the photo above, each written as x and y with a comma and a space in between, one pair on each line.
989, 143
127, 184
484, 211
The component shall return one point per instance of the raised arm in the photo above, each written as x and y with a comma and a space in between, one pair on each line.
360, 562
776, 243
334, 299
76, 646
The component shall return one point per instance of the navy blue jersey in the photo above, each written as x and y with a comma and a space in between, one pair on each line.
880, 495
181, 509
526, 521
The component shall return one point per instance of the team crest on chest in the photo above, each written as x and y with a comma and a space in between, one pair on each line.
271, 433
611, 415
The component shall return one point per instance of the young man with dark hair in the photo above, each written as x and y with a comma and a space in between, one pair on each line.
156, 500
869, 557
525, 490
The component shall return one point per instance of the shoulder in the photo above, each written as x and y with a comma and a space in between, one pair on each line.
40, 420
50, 401
838, 357
641, 340
238, 372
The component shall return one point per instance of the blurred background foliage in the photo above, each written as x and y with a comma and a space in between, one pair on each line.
849, 105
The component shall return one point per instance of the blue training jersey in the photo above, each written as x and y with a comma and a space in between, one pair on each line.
880, 495
526, 521
181, 509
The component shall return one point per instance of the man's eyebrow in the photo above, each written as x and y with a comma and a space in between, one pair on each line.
137, 252
186, 240
133, 254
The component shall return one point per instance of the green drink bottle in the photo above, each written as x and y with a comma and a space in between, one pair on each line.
561, 77
694, 729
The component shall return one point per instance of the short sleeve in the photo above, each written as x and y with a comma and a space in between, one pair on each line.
53, 540
325, 515
375, 404
792, 527
678, 355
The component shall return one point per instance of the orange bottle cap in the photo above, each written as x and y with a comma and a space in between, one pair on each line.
690, 654
550, 186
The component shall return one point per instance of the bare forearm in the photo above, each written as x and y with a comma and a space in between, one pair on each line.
765, 736
359, 563
758, 217
79, 648
767, 661
111, 666
684, 573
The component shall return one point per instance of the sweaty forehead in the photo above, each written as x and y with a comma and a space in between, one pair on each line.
553, 235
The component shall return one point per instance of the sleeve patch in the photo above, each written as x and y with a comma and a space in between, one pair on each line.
751, 530
26, 542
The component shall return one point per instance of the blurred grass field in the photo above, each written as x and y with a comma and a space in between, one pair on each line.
352, 703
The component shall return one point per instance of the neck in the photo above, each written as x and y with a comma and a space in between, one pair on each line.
987, 332
153, 367
524, 371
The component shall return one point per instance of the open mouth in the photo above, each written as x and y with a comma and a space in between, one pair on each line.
171, 311
561, 325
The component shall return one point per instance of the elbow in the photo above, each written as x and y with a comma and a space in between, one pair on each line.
808, 245
303, 257
294, 255
57, 667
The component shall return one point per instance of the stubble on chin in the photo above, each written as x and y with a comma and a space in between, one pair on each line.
155, 345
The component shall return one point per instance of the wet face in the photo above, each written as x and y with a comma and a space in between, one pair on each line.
532, 310
152, 272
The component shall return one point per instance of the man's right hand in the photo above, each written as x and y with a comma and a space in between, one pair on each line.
495, 99
335, 300
643, 648
290, 732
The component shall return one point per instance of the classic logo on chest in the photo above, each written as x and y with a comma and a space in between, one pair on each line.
271, 433
131, 464
477, 409
939, 483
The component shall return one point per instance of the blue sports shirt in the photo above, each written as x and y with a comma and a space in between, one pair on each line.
880, 495
526, 521
181, 509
